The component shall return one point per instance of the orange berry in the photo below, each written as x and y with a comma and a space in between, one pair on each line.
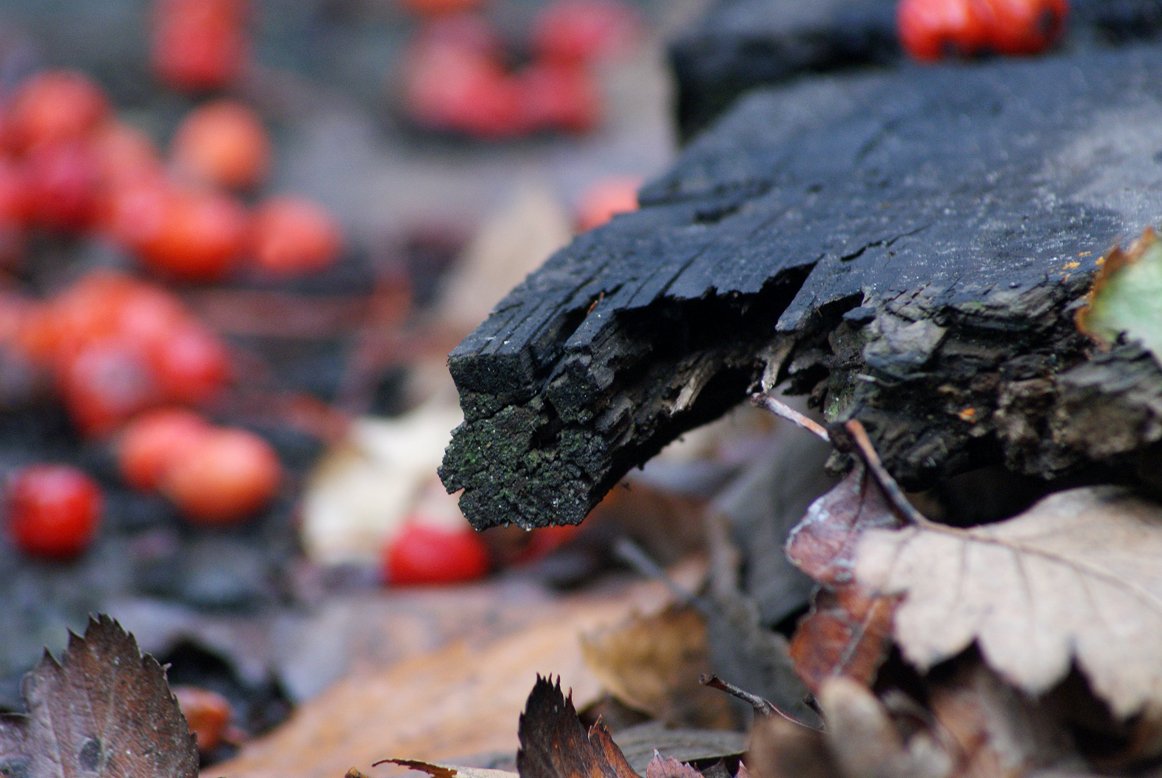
54, 106
207, 713
223, 143
198, 45
292, 235
229, 475
199, 236
153, 441
606, 198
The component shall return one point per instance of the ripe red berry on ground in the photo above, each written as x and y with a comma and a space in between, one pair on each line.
199, 45
933, 29
422, 553
222, 143
53, 511
151, 443
226, 477
54, 106
293, 235
198, 236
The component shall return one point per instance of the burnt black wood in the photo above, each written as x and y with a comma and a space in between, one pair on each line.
738, 45
907, 246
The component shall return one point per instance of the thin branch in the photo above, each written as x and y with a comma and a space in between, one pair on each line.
781, 409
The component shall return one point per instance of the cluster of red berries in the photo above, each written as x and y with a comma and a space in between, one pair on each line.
933, 29
113, 346
456, 74
68, 164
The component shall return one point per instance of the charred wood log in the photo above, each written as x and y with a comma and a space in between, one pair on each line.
908, 247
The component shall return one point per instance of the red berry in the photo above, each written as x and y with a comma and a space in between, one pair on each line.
559, 97
292, 235
932, 29
152, 442
222, 143
583, 30
425, 554
1023, 26
606, 198
54, 106
62, 180
105, 384
53, 510
229, 475
454, 87
190, 363
439, 7
207, 713
198, 45
199, 236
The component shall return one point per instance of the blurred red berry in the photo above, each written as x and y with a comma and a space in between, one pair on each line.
153, 441
228, 476
1023, 26
53, 510
106, 384
223, 143
207, 713
190, 364
557, 96
439, 7
293, 235
932, 29
62, 180
199, 236
455, 88
606, 198
424, 554
583, 30
55, 106
199, 45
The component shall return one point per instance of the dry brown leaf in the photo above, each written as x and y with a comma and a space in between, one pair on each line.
102, 710
652, 664
668, 767
865, 742
846, 633
991, 729
782, 749
555, 744
1076, 578
464, 699
449, 771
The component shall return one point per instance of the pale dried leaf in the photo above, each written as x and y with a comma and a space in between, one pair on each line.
363, 488
667, 767
1076, 578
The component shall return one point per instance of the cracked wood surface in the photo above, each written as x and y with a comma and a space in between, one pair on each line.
904, 245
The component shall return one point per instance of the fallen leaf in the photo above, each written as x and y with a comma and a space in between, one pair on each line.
639, 743
365, 487
555, 744
448, 771
863, 739
445, 704
651, 663
1126, 296
990, 728
847, 633
781, 749
1075, 578
668, 767
103, 709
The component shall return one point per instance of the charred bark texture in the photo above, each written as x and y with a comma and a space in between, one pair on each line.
908, 247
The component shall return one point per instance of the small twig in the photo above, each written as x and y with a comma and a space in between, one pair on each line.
781, 409
860, 444
762, 706
635, 556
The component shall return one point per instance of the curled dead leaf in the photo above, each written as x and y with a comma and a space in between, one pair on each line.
1075, 578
